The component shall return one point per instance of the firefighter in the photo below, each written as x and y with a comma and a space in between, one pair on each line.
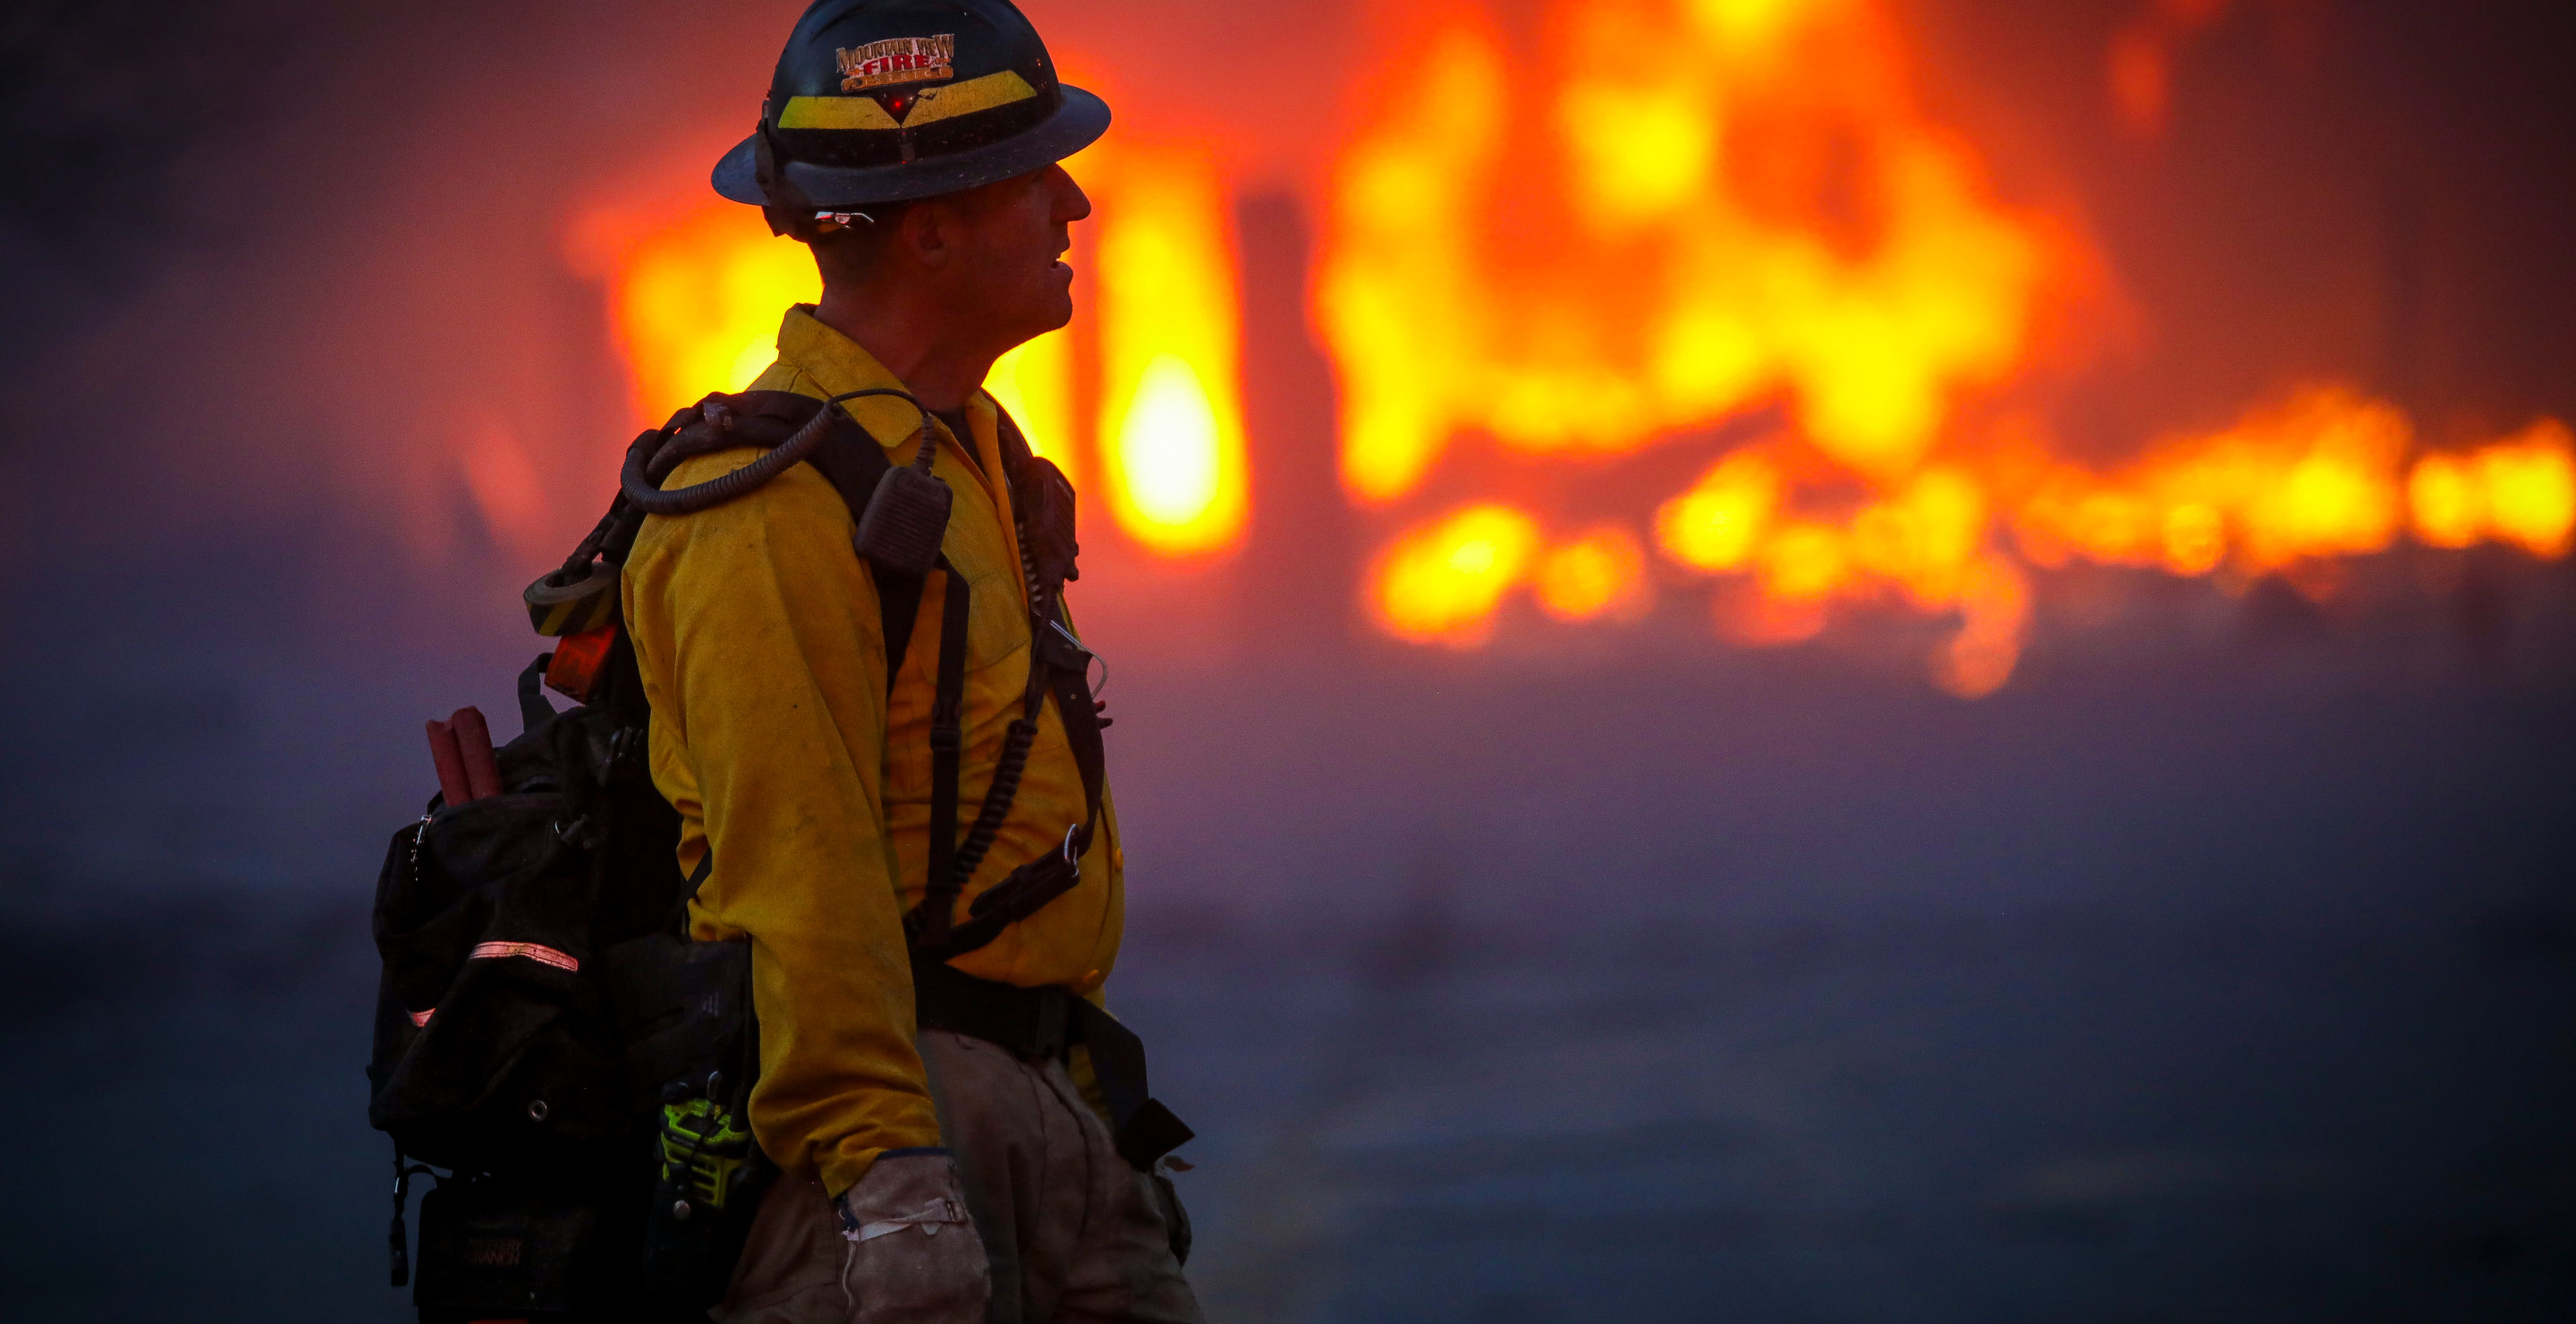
956, 1121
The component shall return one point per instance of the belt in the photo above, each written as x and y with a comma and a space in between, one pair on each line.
1038, 1024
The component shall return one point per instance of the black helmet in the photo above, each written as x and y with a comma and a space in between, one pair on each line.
885, 100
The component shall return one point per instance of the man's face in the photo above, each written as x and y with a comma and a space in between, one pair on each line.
1011, 239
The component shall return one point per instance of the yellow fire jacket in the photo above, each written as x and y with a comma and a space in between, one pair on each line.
757, 632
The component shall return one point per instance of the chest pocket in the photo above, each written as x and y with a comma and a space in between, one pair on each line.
995, 630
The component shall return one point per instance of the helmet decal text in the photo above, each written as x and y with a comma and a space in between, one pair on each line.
897, 60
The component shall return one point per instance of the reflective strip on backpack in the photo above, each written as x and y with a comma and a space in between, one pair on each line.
530, 950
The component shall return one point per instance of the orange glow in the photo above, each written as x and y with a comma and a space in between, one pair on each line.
2445, 499
1035, 383
1171, 420
2521, 490
1804, 562
1442, 582
1749, 207
1925, 537
2316, 476
1601, 573
695, 296
2531, 488
1994, 608
506, 488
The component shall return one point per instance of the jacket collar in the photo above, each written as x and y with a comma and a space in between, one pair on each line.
834, 363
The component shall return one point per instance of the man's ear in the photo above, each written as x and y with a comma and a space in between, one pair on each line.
929, 234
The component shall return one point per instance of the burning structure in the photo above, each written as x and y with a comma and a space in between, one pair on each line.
1552, 240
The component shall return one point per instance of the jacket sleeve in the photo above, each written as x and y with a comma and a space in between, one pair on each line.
762, 627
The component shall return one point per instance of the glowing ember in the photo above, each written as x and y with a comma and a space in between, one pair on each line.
1171, 422
1601, 573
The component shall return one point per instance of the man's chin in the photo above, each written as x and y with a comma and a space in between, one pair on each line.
1059, 312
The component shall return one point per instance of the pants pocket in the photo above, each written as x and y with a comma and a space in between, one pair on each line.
790, 1272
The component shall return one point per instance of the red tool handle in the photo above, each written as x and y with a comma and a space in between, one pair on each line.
474, 742
452, 783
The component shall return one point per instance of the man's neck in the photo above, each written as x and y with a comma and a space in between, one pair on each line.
918, 343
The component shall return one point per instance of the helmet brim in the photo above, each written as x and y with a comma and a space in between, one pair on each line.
1076, 124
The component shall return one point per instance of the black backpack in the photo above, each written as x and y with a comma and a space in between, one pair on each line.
545, 1030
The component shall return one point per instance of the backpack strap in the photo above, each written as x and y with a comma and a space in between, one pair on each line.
1037, 482
854, 463
1059, 665
947, 746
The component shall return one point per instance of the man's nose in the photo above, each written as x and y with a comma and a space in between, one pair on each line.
1071, 203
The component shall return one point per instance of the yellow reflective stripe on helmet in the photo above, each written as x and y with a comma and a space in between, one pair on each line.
931, 105
939, 103
835, 113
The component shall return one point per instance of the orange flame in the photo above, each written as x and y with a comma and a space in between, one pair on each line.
2315, 477
2521, 490
1171, 421
696, 291
1649, 218
1441, 583
694, 303
1718, 204
1745, 203
694, 297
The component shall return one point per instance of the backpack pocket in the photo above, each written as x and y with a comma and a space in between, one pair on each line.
488, 1039
492, 1249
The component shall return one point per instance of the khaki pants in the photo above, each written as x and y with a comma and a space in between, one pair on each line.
1073, 1232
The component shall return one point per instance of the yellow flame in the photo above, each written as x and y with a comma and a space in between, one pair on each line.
1734, 225
1717, 523
2530, 486
1403, 203
1442, 582
2446, 500
694, 297
2314, 476
1171, 421
1925, 538
2520, 490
